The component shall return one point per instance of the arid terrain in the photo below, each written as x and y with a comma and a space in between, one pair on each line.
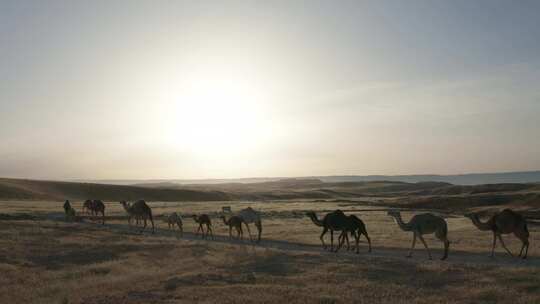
44, 259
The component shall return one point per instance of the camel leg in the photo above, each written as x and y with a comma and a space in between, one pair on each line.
425, 245
504, 246
144, 227
199, 229
446, 246
494, 243
322, 237
241, 232
331, 240
230, 232
357, 241
524, 244
412, 246
367, 238
258, 224
521, 250
209, 230
249, 232
341, 240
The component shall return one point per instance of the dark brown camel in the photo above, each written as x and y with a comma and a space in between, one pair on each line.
505, 222
139, 209
99, 207
203, 219
333, 221
69, 211
236, 223
356, 227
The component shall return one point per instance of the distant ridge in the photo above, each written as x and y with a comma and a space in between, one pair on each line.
457, 179
24, 189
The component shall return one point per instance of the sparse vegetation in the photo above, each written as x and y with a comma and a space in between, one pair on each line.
45, 259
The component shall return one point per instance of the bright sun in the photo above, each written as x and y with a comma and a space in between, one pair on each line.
221, 114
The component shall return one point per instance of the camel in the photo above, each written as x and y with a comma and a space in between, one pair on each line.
333, 221
356, 227
99, 207
421, 224
236, 222
175, 218
203, 219
87, 207
504, 222
250, 216
139, 209
94, 207
69, 211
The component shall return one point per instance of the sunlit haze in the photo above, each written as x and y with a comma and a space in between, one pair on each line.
228, 89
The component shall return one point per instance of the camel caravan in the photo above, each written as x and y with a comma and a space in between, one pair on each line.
503, 222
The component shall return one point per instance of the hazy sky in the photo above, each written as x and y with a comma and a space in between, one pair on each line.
213, 89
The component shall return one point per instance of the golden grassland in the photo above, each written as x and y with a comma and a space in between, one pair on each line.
48, 260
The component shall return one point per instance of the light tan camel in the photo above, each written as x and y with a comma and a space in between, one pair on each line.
421, 224
236, 223
203, 219
250, 216
139, 209
504, 222
175, 219
333, 221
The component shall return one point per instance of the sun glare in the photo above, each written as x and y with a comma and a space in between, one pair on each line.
221, 115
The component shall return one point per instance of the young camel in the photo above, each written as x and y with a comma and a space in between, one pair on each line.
203, 219
139, 209
234, 222
175, 218
421, 224
333, 221
356, 227
505, 222
249, 216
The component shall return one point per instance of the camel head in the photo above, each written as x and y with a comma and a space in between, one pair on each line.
393, 213
311, 214
125, 204
471, 216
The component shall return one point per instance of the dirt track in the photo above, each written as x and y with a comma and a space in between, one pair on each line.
394, 253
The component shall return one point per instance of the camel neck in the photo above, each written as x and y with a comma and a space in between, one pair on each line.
404, 226
481, 226
315, 220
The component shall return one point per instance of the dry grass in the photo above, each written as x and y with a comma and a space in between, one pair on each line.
46, 261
